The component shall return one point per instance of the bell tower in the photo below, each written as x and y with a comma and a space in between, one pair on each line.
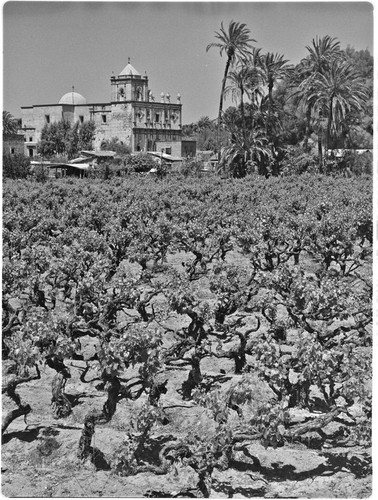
129, 85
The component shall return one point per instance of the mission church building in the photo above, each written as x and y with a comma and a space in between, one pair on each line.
133, 116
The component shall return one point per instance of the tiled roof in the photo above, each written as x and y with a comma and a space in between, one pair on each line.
129, 70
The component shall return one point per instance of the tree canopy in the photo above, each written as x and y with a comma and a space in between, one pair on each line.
10, 124
64, 139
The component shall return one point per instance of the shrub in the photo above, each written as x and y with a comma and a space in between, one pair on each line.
191, 166
139, 163
16, 166
115, 145
297, 161
40, 173
357, 164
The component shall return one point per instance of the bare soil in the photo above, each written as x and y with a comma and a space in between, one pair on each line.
39, 455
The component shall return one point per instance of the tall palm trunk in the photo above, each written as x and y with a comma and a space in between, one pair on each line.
246, 145
243, 116
307, 132
221, 103
329, 124
270, 101
322, 140
320, 148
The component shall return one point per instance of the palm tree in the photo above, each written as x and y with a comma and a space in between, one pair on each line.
203, 123
242, 154
10, 124
205, 133
274, 67
321, 54
335, 94
235, 42
244, 81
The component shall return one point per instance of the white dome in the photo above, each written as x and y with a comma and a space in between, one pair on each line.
73, 98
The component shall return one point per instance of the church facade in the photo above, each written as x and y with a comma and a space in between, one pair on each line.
132, 115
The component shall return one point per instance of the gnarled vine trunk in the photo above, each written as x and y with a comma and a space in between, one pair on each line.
95, 417
61, 405
22, 409
194, 378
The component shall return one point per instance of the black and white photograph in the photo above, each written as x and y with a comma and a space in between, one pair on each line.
187, 237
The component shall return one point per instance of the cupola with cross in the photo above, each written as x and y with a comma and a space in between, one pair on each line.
129, 85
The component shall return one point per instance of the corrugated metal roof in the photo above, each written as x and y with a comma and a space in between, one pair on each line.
47, 164
164, 156
79, 160
99, 154
81, 166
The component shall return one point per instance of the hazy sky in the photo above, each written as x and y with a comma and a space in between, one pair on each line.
50, 46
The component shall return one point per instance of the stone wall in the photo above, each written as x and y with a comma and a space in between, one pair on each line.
113, 120
78, 113
172, 148
36, 117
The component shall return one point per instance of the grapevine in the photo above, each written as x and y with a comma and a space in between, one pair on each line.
245, 303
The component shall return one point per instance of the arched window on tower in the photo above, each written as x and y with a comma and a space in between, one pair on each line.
139, 94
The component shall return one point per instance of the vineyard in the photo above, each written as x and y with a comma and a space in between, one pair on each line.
187, 337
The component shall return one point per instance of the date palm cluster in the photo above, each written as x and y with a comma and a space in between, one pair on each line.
329, 89
324, 87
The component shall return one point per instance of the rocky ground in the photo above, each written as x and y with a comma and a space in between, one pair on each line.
39, 455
